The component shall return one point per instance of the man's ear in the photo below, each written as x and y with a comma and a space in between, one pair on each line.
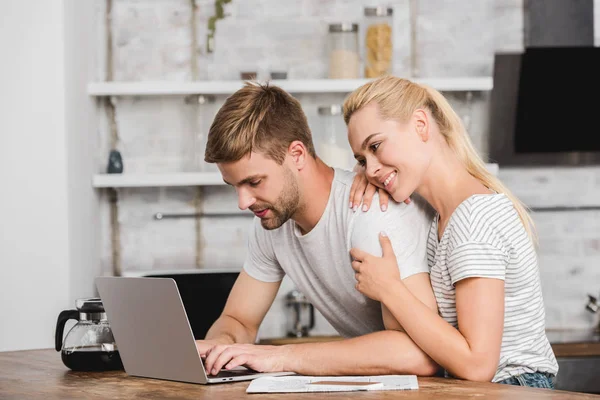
421, 121
298, 153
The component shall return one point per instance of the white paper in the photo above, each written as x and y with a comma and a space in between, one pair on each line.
303, 384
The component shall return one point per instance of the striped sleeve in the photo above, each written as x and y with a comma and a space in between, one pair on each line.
477, 260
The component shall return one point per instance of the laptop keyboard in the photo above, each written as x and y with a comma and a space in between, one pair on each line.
234, 373
239, 371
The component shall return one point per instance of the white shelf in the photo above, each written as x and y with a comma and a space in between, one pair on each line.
175, 179
157, 180
157, 88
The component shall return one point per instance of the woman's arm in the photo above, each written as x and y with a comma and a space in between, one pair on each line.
473, 352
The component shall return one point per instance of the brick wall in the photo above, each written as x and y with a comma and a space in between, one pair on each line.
152, 41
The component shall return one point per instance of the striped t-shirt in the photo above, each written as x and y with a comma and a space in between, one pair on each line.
486, 238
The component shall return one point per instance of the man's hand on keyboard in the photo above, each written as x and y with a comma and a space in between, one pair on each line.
257, 357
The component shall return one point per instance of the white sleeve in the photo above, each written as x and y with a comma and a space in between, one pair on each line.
407, 226
261, 262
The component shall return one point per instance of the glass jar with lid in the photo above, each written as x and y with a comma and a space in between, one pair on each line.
201, 113
344, 58
378, 41
331, 139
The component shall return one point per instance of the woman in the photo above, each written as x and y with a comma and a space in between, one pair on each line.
481, 253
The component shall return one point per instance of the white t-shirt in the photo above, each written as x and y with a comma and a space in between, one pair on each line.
486, 238
319, 262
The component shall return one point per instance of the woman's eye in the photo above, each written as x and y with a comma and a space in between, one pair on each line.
361, 162
374, 147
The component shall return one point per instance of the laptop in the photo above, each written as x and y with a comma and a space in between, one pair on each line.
153, 334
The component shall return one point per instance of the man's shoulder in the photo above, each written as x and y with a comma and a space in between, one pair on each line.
343, 177
417, 211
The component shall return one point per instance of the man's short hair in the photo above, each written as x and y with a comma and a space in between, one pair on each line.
259, 118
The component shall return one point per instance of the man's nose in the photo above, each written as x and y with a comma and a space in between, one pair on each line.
245, 199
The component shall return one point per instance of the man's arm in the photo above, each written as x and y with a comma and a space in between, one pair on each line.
379, 353
384, 352
246, 307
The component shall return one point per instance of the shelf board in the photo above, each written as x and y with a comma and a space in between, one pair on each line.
175, 179
157, 180
163, 88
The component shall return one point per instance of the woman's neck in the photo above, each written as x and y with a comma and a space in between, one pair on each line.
447, 184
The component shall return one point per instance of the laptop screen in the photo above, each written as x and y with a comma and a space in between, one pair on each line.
203, 295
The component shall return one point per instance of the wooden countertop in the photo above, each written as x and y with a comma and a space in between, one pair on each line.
565, 343
41, 374
575, 343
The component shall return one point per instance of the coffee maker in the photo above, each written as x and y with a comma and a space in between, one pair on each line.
301, 318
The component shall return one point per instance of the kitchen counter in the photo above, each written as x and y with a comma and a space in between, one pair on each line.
41, 374
575, 343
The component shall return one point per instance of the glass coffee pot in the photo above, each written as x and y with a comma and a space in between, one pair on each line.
89, 345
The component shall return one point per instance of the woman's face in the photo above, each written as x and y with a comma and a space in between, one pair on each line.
394, 154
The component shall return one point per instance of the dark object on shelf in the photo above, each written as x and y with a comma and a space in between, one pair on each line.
248, 76
278, 75
115, 163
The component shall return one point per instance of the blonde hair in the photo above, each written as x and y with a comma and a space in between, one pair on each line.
398, 98
257, 117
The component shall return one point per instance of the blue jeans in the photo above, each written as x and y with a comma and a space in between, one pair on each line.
535, 380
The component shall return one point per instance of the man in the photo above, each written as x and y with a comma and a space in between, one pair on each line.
304, 227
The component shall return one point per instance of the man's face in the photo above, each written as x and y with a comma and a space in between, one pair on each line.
268, 189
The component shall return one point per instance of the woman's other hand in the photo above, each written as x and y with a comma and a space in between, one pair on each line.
375, 275
363, 190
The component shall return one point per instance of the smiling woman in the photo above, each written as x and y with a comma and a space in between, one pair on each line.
481, 247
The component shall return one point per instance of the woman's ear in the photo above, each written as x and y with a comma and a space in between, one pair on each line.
298, 154
421, 121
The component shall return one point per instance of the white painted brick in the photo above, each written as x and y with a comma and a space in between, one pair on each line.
455, 38
101, 40
474, 114
596, 19
331, 10
225, 241
257, 9
151, 39
556, 186
508, 26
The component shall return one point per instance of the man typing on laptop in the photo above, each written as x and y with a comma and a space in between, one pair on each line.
304, 227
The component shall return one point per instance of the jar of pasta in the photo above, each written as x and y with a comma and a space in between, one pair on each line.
344, 58
378, 41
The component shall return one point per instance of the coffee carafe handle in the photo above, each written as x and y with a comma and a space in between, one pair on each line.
63, 317
312, 317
